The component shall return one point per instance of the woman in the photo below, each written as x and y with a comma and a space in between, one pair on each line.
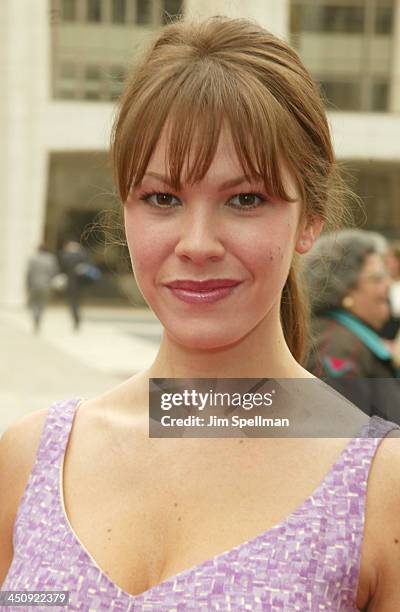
349, 287
226, 170
391, 328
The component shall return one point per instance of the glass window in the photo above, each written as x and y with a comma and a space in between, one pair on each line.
380, 94
94, 10
383, 19
92, 82
116, 78
361, 48
375, 186
171, 8
68, 71
66, 94
69, 10
67, 81
143, 12
342, 95
312, 18
118, 14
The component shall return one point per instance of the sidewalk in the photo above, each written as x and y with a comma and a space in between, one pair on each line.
112, 344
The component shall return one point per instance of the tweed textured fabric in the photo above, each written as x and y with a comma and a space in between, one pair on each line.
309, 561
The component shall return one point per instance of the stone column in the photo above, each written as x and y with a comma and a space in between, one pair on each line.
24, 86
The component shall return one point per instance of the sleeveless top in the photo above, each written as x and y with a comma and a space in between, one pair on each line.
309, 561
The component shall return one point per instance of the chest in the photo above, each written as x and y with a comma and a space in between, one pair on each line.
148, 510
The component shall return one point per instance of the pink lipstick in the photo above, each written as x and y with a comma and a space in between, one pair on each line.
202, 292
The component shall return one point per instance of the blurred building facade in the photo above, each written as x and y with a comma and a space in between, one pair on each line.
63, 63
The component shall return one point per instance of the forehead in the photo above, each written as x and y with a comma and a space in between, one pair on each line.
224, 165
225, 159
373, 261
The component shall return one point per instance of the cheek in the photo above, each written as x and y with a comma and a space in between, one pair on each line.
366, 296
270, 249
146, 242
268, 260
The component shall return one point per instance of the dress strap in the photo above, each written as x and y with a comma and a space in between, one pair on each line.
55, 434
43, 479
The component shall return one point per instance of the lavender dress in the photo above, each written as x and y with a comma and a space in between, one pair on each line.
309, 561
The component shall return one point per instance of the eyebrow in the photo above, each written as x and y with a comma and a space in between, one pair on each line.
238, 180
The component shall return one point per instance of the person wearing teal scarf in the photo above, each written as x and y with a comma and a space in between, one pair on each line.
349, 285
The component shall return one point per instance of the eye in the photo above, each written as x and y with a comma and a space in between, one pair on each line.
245, 201
160, 199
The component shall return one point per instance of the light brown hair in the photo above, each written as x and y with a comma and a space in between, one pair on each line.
197, 75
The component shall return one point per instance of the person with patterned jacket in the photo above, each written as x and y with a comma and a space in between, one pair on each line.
348, 287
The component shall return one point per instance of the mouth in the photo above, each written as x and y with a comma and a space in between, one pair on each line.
204, 291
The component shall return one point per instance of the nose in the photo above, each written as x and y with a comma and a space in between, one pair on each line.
200, 238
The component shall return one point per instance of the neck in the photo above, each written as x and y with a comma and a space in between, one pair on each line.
263, 353
374, 324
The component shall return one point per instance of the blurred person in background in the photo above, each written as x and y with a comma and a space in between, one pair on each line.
391, 328
74, 259
42, 268
348, 285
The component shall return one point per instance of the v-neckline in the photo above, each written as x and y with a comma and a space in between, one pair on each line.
265, 535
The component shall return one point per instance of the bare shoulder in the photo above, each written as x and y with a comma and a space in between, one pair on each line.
19, 443
18, 448
382, 528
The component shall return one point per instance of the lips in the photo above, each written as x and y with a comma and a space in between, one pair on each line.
202, 292
203, 285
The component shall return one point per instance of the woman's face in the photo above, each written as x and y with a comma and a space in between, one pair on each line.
392, 264
211, 259
370, 296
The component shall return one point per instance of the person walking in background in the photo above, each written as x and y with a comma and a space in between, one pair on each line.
348, 286
42, 268
73, 259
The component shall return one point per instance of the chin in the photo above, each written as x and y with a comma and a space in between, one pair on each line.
205, 337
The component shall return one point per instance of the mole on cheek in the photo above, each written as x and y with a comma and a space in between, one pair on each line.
396, 541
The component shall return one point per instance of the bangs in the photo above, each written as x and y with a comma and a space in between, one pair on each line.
193, 106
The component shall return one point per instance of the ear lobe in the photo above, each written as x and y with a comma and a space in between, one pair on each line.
309, 234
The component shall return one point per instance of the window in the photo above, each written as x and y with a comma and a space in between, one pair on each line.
384, 19
320, 18
69, 10
94, 11
333, 16
116, 78
347, 46
67, 81
342, 95
171, 9
376, 186
92, 83
143, 12
118, 13
380, 94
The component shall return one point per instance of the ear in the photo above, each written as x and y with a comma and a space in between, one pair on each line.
308, 233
